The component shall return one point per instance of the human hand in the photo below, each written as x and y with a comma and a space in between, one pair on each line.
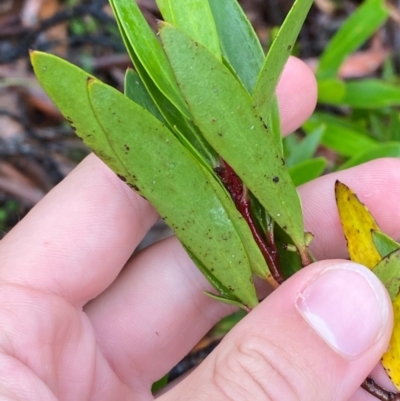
78, 325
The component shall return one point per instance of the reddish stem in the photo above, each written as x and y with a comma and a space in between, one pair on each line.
240, 196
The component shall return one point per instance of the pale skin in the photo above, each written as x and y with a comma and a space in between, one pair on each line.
74, 326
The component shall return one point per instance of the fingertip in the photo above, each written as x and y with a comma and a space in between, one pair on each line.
297, 94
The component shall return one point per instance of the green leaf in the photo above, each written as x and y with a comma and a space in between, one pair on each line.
144, 48
159, 384
222, 109
388, 149
340, 135
240, 45
145, 153
278, 55
136, 91
354, 32
183, 128
305, 149
225, 294
66, 86
384, 244
388, 271
163, 170
307, 170
195, 19
331, 91
371, 94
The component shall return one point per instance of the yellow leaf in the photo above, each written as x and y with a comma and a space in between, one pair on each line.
357, 224
391, 358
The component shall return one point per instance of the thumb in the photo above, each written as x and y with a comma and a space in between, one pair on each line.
317, 337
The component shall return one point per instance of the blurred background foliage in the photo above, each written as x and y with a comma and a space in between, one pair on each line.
352, 46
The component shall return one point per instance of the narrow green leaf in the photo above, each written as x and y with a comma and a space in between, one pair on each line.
66, 86
307, 170
388, 271
371, 94
136, 91
388, 149
217, 232
163, 170
331, 90
183, 128
289, 261
384, 244
278, 55
340, 135
353, 33
222, 109
195, 18
305, 149
240, 45
144, 47
225, 294
228, 301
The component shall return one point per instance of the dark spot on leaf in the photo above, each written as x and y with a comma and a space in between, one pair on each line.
121, 177
133, 186
289, 47
275, 180
265, 126
283, 161
213, 120
220, 134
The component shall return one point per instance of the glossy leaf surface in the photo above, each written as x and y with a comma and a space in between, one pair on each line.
357, 223
222, 109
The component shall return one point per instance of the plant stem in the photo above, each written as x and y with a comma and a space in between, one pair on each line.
241, 198
379, 392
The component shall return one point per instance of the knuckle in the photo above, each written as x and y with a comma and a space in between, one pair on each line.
256, 369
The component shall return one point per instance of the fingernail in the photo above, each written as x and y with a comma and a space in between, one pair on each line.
347, 306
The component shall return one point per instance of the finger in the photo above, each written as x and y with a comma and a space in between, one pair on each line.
315, 338
77, 239
376, 184
163, 280
297, 94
